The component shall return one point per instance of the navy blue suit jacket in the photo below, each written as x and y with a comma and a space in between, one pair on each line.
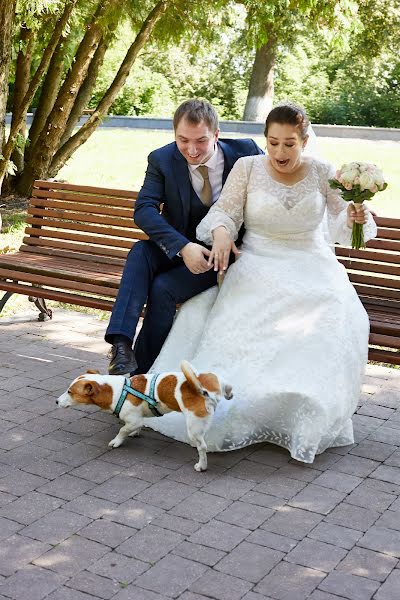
167, 182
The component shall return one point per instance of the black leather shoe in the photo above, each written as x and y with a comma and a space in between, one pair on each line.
122, 359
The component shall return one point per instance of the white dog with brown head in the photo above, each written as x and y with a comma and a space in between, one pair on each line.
133, 399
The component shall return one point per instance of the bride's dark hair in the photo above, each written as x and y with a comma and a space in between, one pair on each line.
291, 114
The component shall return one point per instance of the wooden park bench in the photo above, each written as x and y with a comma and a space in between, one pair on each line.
77, 238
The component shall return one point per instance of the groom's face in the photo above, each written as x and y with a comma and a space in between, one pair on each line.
196, 141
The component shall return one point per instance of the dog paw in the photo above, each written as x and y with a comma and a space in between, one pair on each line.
200, 467
115, 443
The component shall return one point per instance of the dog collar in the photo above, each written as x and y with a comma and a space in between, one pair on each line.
150, 399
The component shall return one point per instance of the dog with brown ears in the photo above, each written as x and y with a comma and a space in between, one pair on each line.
135, 398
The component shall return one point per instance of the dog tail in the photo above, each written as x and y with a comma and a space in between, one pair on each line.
191, 376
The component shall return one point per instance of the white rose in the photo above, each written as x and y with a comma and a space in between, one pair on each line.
349, 176
366, 180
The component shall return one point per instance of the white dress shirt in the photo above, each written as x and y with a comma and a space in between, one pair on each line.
215, 166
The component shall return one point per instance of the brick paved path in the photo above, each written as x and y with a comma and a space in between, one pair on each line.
78, 521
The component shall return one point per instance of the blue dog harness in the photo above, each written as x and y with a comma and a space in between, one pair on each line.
150, 399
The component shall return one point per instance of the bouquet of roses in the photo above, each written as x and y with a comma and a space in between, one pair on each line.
358, 182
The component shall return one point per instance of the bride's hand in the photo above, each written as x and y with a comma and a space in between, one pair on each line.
357, 213
222, 247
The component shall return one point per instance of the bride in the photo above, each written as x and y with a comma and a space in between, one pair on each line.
286, 329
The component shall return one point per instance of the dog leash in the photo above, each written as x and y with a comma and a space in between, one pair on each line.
150, 399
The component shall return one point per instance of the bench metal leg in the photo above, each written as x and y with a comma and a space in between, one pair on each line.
44, 312
4, 299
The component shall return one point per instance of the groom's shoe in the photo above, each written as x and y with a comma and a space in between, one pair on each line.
122, 359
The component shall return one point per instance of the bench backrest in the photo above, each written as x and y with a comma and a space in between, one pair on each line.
91, 223
375, 270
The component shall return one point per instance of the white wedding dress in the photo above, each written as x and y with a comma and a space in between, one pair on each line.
286, 329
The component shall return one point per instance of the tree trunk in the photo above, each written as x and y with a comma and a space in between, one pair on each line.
51, 134
66, 151
84, 93
22, 78
51, 85
18, 118
7, 10
261, 88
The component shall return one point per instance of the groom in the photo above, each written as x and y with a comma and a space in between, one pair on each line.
186, 177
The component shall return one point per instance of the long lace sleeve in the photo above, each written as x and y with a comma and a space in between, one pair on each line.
228, 210
337, 213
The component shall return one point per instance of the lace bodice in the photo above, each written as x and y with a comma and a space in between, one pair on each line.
271, 209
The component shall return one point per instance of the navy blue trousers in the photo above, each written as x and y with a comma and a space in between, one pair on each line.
149, 275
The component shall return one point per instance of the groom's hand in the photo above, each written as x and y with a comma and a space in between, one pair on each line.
195, 258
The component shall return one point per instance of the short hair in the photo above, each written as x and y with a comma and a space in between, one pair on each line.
195, 111
291, 114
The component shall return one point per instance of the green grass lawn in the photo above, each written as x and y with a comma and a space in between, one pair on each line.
118, 157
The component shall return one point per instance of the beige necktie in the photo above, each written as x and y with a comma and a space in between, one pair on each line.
206, 193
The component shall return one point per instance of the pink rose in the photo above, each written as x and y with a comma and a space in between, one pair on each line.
348, 186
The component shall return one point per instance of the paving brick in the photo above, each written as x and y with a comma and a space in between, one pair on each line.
321, 461
338, 481
132, 592
253, 596
8, 527
24, 455
317, 499
278, 485
387, 473
264, 500
389, 519
355, 517
66, 487
336, 535
394, 459
221, 536
119, 488
107, 533
32, 582
355, 465
292, 522
200, 507
319, 595
166, 494
178, 524
221, 586
19, 483
6, 498
367, 563
390, 589
96, 470
118, 567
92, 507
396, 505
386, 434
78, 454
66, 593
186, 474
382, 486
367, 497
150, 544
18, 552
298, 471
134, 514
46, 468
271, 455
377, 451
317, 555
374, 410
349, 586
228, 487
272, 540
91, 583
55, 526
207, 556
150, 473
251, 471
71, 556
171, 576
249, 561
382, 539
249, 516
289, 582
191, 596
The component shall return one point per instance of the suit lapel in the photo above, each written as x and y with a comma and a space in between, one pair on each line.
183, 182
229, 160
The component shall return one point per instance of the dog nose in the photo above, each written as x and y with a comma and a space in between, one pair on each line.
57, 401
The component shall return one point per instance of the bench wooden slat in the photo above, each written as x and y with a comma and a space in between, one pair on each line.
379, 282
57, 295
82, 198
38, 250
55, 282
371, 267
82, 239
367, 254
387, 222
73, 226
369, 293
393, 246
390, 234
87, 189
385, 356
63, 215
52, 243
387, 341
82, 208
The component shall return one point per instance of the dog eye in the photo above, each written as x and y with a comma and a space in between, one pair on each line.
206, 394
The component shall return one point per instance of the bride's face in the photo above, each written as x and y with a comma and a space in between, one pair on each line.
284, 147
